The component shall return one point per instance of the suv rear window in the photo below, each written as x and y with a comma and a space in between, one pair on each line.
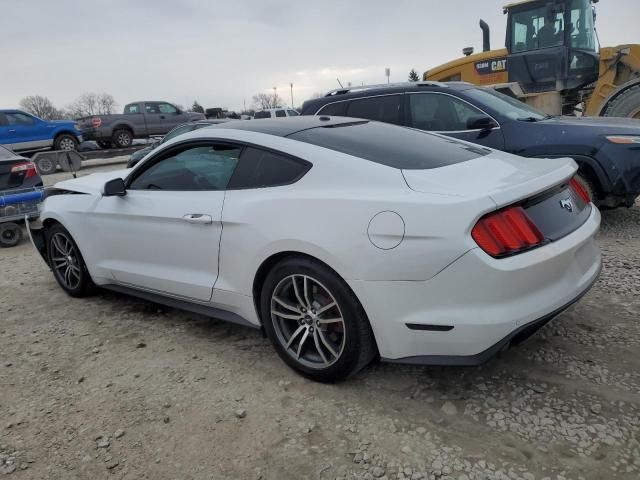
390, 145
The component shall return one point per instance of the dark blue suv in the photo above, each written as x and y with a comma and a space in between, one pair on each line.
606, 149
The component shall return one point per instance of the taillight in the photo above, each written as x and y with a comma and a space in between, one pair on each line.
577, 187
29, 169
96, 122
506, 231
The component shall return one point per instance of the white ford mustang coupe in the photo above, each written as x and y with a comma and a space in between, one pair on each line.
343, 239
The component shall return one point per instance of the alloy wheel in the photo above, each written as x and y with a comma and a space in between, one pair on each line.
65, 260
124, 139
67, 144
307, 321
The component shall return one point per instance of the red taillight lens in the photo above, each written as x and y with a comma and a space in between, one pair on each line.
577, 187
96, 122
506, 231
29, 169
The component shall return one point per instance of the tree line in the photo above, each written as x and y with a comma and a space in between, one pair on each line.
85, 105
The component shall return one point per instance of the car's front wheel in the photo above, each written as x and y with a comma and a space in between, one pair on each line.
314, 320
65, 259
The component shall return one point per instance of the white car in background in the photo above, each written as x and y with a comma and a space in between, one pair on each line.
279, 112
344, 239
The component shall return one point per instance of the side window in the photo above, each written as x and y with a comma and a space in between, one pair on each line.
262, 115
439, 113
194, 168
382, 109
3, 120
132, 108
338, 109
261, 168
20, 119
292, 113
167, 108
281, 113
151, 108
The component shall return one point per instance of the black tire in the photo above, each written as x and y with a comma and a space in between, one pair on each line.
354, 346
69, 269
588, 185
47, 164
627, 104
10, 234
105, 144
122, 138
65, 141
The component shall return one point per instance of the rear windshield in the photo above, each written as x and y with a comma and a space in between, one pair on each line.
6, 154
391, 145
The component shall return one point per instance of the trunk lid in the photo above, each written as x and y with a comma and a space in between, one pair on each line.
503, 177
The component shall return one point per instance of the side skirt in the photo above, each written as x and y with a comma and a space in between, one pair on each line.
206, 310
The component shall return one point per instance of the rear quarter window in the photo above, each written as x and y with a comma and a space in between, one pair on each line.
262, 115
390, 145
263, 168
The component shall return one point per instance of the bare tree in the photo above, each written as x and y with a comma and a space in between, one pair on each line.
89, 104
196, 107
262, 101
41, 107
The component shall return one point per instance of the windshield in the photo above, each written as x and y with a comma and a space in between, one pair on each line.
505, 105
581, 26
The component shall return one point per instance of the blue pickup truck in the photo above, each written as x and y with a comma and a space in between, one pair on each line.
23, 132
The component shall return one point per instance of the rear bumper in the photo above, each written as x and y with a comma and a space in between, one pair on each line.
478, 304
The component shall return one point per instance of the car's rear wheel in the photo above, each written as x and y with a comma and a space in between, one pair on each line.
122, 138
65, 142
588, 186
65, 259
10, 234
314, 321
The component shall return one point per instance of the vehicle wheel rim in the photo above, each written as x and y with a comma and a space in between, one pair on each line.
9, 235
308, 321
65, 260
66, 144
635, 113
124, 139
45, 165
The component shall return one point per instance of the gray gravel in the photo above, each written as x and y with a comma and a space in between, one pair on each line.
208, 400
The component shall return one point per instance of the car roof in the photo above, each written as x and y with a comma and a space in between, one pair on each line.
285, 126
340, 94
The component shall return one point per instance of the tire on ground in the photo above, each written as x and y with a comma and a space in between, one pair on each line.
626, 104
122, 138
10, 234
359, 346
82, 284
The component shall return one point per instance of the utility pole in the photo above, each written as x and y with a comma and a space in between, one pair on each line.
291, 85
275, 96
387, 72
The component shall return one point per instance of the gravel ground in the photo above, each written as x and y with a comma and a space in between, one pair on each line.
114, 387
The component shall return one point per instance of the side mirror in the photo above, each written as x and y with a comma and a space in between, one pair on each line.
481, 122
114, 188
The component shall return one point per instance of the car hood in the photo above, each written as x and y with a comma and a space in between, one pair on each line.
91, 184
601, 125
503, 177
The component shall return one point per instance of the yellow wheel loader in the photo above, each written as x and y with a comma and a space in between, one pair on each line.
553, 61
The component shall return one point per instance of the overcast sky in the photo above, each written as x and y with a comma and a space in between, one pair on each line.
222, 52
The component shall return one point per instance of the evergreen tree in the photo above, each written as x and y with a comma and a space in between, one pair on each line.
196, 107
413, 76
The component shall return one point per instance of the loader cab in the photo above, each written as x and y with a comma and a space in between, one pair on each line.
552, 44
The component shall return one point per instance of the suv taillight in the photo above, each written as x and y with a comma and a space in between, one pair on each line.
577, 187
506, 232
96, 122
29, 169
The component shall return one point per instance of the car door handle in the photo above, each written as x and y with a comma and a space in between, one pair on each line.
198, 218
12, 131
162, 117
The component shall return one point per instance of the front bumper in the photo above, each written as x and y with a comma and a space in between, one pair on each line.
478, 305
